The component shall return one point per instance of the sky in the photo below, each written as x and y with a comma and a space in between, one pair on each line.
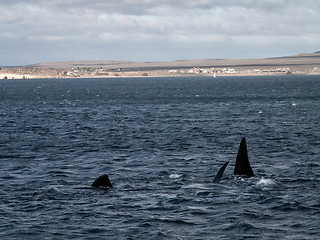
34, 31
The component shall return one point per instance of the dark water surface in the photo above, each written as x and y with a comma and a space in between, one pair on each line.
161, 140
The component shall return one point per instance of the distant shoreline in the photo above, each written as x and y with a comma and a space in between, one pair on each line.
302, 64
15, 76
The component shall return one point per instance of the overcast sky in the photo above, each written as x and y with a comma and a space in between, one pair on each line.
33, 31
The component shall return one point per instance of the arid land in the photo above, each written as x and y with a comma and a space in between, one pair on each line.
308, 64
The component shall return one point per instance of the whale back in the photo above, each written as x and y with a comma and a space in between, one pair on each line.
102, 182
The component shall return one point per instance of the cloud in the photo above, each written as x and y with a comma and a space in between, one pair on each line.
144, 26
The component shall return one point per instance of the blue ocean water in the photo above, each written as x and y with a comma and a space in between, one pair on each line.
161, 141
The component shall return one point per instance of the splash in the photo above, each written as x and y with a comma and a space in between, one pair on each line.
175, 176
265, 182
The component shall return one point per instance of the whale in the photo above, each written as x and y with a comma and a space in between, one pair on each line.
242, 166
217, 178
102, 182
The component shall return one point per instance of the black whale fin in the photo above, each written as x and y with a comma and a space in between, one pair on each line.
217, 178
242, 166
102, 182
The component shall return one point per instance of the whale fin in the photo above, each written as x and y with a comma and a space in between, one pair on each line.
217, 178
102, 182
242, 166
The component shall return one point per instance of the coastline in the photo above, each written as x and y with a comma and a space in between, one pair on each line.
302, 64
16, 76
145, 74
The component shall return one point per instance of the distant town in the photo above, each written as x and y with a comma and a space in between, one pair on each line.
298, 64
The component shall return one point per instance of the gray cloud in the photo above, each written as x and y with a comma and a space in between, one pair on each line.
146, 30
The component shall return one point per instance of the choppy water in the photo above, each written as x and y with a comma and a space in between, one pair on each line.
161, 141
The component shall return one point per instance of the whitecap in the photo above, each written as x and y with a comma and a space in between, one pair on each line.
293, 104
196, 186
265, 182
175, 175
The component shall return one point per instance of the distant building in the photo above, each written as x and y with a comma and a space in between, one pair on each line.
230, 70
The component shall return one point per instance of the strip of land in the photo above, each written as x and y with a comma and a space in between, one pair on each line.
297, 64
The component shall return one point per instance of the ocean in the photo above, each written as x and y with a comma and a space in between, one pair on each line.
161, 141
